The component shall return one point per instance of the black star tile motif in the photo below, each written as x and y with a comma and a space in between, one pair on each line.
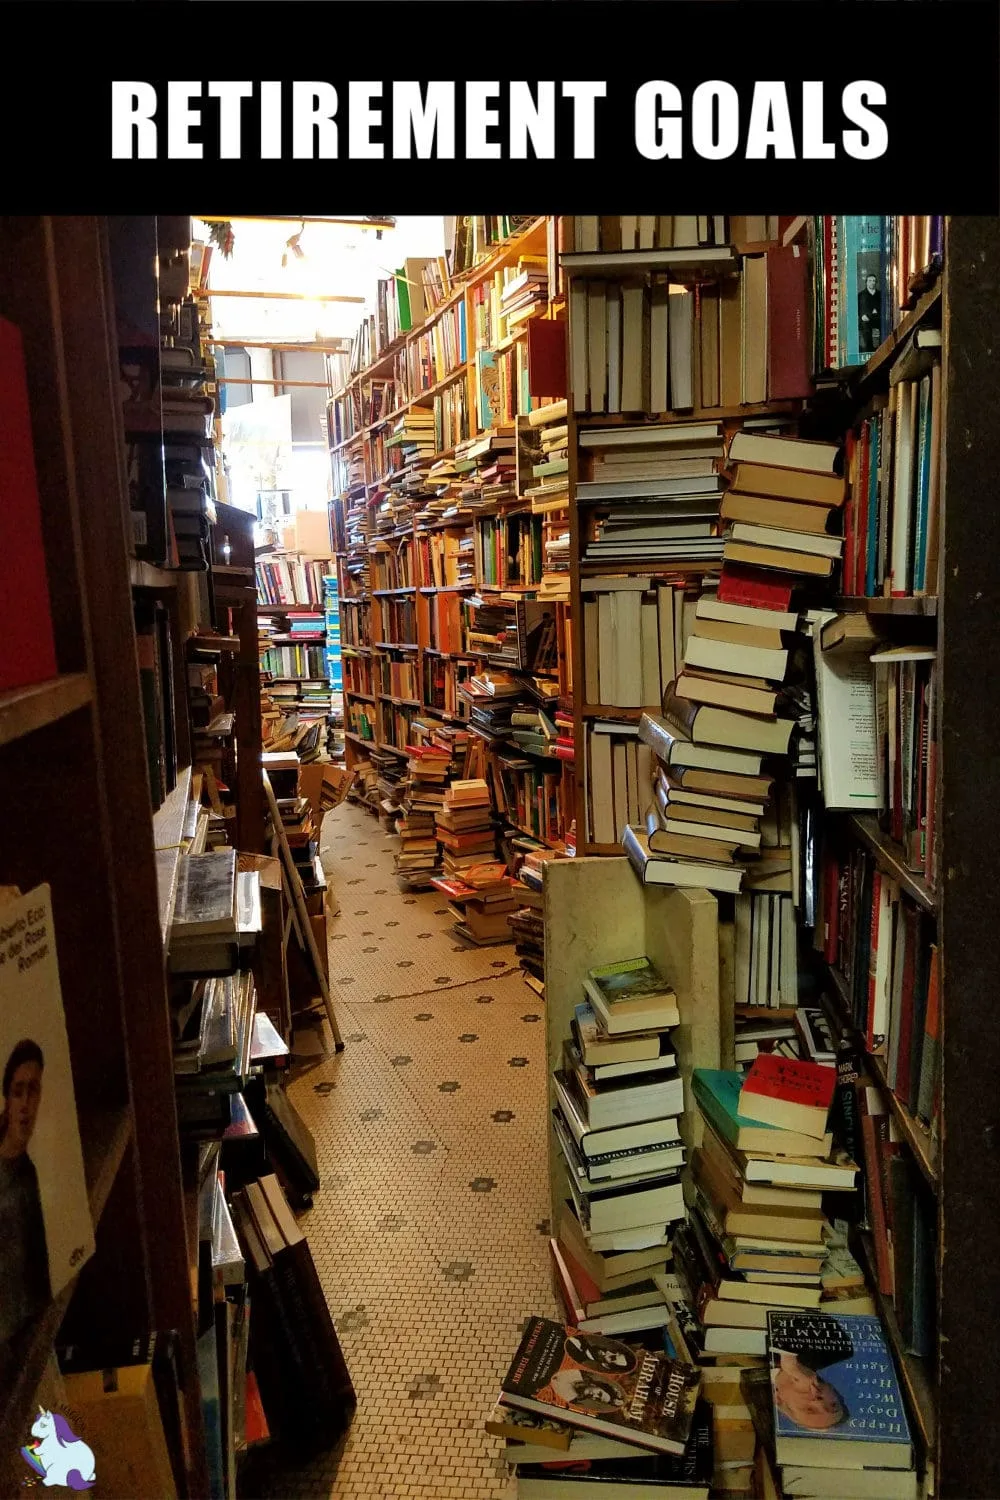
325, 1088
424, 1015
370, 1114
423, 1148
457, 1270
449, 1088
482, 1184
443, 979
372, 949
361, 912
338, 937
517, 1062
353, 1320
381, 999
357, 1036
543, 1227
346, 979
367, 932
468, 1036
401, 1061
357, 881
531, 1017
441, 912
424, 1386
372, 866
410, 901
382, 891
425, 934
405, 963
498, 963
503, 1116
484, 999
392, 924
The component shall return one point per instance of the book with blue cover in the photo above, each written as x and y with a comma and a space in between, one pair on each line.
835, 1392
717, 1091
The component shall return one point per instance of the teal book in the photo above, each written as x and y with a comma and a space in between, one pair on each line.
835, 1393
717, 1091
923, 486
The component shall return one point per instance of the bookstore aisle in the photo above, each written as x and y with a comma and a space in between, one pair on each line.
430, 1233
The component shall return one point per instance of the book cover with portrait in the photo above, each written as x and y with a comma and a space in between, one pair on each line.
47, 1229
835, 1392
603, 1385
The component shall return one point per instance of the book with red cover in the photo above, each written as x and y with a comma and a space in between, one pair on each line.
28, 652
807, 1085
756, 587
789, 366
546, 358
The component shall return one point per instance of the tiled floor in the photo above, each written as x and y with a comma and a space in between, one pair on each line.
429, 1231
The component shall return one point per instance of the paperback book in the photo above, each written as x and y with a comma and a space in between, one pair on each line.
603, 1385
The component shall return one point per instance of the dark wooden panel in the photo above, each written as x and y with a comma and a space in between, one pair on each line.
969, 1464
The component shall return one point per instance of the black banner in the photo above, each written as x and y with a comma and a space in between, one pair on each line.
825, 105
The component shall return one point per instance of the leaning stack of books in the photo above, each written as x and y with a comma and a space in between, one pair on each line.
782, 496
757, 1236
419, 856
587, 1416
617, 1099
829, 1412
482, 902
465, 826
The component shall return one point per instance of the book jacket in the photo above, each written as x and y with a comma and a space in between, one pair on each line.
833, 1378
47, 1228
604, 1385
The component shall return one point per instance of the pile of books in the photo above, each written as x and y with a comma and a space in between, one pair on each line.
829, 1411
418, 856
586, 1415
217, 914
465, 826
482, 902
302, 835
757, 1236
654, 493
783, 492
618, 1096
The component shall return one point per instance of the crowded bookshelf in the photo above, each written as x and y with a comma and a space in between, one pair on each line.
644, 637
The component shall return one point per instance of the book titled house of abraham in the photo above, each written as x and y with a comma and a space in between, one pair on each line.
835, 1392
603, 1385
47, 1230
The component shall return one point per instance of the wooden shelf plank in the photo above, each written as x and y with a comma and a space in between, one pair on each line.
696, 414
915, 1377
144, 575
889, 857
859, 604
168, 826
25, 709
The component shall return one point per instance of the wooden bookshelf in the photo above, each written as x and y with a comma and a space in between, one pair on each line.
912, 605
25, 709
890, 859
915, 1376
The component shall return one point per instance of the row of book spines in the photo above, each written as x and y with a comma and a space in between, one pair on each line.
906, 746
534, 801
901, 252
891, 519
442, 349
883, 947
619, 784
664, 347
614, 232
901, 1215
290, 581
509, 550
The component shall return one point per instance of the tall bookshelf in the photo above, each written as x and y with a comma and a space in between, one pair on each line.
949, 1143
410, 585
76, 804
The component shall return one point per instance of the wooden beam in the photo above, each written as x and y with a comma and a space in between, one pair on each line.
281, 296
282, 348
292, 219
319, 385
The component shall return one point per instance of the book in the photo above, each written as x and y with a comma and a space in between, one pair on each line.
718, 1094
789, 1093
662, 870
48, 1232
631, 995
835, 1393
29, 653
603, 1386
687, 1476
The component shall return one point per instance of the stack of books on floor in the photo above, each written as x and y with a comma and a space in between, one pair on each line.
617, 1100
419, 856
482, 902
829, 1411
303, 840
589, 1416
465, 826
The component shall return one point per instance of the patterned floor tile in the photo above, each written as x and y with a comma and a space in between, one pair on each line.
431, 1136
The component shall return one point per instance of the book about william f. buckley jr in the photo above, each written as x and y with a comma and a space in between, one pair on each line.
603, 1385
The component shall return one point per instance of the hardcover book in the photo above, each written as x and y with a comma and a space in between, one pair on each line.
687, 1476
835, 1393
603, 1385
47, 1233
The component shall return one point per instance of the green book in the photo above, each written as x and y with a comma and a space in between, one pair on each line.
717, 1091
